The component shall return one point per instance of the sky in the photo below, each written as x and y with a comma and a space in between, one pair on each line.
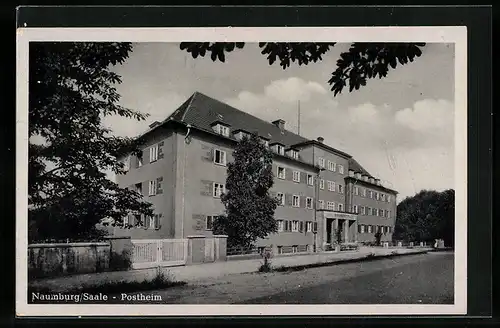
400, 128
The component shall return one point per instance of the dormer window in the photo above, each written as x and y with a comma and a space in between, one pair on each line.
265, 142
279, 148
240, 134
358, 175
293, 153
221, 128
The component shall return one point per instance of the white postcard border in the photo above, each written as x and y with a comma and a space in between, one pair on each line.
441, 34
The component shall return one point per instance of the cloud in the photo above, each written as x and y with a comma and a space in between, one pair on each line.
427, 114
279, 99
409, 149
293, 89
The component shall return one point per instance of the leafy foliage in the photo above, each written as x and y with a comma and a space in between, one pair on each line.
378, 237
361, 62
249, 206
71, 89
427, 216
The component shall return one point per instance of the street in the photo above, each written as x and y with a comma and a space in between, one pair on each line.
426, 280
412, 279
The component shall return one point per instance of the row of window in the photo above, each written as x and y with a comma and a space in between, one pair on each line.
144, 222
331, 166
295, 200
366, 210
367, 228
155, 187
371, 194
155, 153
297, 226
330, 206
331, 186
281, 174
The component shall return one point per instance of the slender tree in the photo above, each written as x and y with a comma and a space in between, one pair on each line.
249, 205
71, 88
361, 62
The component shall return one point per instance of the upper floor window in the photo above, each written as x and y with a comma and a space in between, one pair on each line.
321, 204
330, 206
281, 198
296, 176
219, 157
281, 172
152, 187
363, 192
382, 197
341, 188
153, 153
219, 189
388, 198
295, 226
377, 196
370, 193
309, 226
310, 179
322, 184
356, 191
309, 203
140, 161
331, 166
209, 223
331, 185
341, 169
280, 225
340, 207
295, 201
355, 209
362, 210
321, 162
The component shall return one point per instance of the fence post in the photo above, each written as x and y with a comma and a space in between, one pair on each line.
159, 253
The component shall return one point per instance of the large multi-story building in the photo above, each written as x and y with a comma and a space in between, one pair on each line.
325, 195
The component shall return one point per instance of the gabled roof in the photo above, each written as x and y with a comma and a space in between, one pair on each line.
201, 111
356, 167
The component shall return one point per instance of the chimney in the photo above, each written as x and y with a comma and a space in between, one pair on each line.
280, 124
320, 139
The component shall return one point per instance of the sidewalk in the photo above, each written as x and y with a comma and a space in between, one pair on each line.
192, 273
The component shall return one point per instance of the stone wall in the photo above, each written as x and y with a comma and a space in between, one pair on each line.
49, 260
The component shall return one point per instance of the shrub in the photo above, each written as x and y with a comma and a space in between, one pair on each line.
266, 266
120, 261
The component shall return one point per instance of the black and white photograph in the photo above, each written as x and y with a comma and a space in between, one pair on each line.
238, 170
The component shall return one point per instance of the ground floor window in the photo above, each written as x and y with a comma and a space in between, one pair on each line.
280, 249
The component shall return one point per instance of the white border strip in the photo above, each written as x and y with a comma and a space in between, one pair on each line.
456, 35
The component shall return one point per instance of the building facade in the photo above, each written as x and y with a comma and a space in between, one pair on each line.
325, 195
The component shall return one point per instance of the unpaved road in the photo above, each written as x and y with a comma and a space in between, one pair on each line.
412, 279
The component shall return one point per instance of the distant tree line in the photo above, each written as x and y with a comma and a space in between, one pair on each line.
427, 216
